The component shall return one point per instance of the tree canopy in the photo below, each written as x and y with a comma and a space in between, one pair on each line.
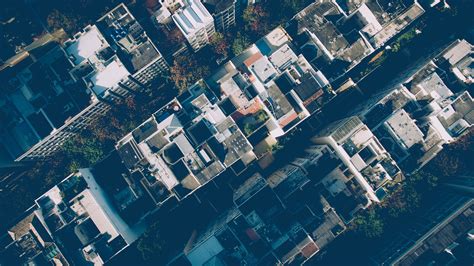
186, 71
152, 244
219, 44
369, 224
241, 42
256, 20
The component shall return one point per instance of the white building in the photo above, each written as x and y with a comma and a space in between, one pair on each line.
416, 119
78, 215
196, 23
113, 58
365, 159
460, 60
183, 146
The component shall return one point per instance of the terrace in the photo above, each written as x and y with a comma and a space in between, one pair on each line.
397, 24
318, 28
269, 89
121, 28
253, 121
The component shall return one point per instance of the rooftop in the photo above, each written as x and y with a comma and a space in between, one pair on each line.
459, 115
85, 44
287, 180
217, 6
342, 129
405, 128
250, 187
460, 59
192, 17
108, 77
310, 87
186, 143
397, 24
121, 28
107, 52
76, 213
322, 21
458, 51
432, 86
262, 68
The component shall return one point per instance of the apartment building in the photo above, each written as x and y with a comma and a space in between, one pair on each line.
71, 224
336, 35
290, 216
417, 118
195, 22
115, 56
269, 89
29, 242
224, 12
37, 98
279, 220
184, 145
112, 58
364, 158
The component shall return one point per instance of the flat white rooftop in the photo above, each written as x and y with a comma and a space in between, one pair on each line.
405, 129
86, 45
192, 18
108, 77
263, 69
458, 52
102, 212
435, 87
283, 57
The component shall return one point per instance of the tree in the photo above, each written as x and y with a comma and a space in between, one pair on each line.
59, 20
256, 20
455, 159
83, 151
186, 71
241, 42
152, 245
369, 224
294, 6
173, 37
283, 10
219, 44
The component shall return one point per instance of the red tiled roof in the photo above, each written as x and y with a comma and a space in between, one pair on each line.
309, 250
288, 119
254, 58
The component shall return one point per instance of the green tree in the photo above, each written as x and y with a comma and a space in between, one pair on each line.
152, 244
171, 38
83, 151
369, 224
59, 20
240, 43
186, 71
256, 20
219, 44
455, 159
285, 9
294, 6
